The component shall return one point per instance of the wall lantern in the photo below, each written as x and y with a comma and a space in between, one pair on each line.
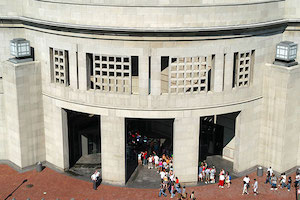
286, 53
20, 49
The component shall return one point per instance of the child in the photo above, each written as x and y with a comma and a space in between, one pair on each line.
255, 187
192, 196
228, 180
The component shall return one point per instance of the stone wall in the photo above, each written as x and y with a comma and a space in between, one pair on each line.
23, 113
153, 14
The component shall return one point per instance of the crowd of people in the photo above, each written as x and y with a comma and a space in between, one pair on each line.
208, 175
282, 181
164, 167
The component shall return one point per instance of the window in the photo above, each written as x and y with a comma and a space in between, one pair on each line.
187, 74
109, 73
243, 64
59, 65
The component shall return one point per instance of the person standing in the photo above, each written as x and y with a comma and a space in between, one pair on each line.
94, 178
228, 179
192, 196
140, 158
246, 181
289, 184
162, 189
172, 190
221, 180
184, 194
145, 158
297, 178
255, 187
268, 178
283, 180
274, 182
207, 171
213, 175
150, 162
156, 161
270, 170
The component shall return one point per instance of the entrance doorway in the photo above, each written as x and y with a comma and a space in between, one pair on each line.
217, 141
217, 136
151, 135
84, 142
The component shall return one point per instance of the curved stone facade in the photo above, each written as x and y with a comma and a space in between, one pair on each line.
236, 41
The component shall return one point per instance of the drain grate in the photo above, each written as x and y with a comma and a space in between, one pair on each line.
29, 185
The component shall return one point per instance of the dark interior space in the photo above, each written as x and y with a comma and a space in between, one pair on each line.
215, 133
147, 135
84, 135
211, 138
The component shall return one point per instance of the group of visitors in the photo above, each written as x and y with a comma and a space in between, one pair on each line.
208, 175
164, 162
174, 188
282, 180
246, 186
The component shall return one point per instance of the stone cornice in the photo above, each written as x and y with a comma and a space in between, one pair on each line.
243, 29
150, 4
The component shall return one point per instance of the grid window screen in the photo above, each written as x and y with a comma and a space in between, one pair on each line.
243, 68
59, 66
189, 74
112, 73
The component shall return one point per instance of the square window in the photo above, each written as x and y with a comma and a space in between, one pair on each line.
111, 59
126, 59
111, 66
103, 58
118, 59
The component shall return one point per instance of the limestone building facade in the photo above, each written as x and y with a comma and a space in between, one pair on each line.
160, 59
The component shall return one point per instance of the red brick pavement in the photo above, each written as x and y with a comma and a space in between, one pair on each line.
60, 186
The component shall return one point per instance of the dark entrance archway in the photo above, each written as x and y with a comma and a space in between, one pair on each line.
216, 132
216, 139
84, 142
147, 135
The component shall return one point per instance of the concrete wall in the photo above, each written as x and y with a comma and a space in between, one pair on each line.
252, 102
280, 131
23, 113
149, 14
186, 148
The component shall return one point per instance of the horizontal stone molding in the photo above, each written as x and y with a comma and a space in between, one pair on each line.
158, 3
241, 30
168, 109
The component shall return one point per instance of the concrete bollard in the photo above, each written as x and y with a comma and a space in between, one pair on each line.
39, 167
260, 171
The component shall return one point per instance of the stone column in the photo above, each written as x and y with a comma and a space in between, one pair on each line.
23, 112
186, 148
281, 111
113, 149
218, 73
143, 79
228, 76
82, 70
155, 74
73, 69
